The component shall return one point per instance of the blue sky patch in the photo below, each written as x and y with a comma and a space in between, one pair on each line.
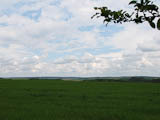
86, 28
34, 14
56, 2
109, 30
3, 24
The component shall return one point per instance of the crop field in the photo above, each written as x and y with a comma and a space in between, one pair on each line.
69, 100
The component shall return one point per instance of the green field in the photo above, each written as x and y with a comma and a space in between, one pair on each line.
69, 100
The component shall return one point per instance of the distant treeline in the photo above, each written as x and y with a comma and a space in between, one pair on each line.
5, 79
96, 79
128, 79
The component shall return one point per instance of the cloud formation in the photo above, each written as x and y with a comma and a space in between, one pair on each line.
58, 38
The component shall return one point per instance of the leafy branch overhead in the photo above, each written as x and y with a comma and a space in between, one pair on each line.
144, 10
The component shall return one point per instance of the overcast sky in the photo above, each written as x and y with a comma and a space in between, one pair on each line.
58, 38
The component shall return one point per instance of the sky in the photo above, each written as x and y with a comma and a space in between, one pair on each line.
59, 38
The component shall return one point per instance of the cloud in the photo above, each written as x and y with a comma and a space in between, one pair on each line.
58, 38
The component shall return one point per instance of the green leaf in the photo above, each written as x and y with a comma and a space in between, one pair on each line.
147, 2
158, 24
142, 2
95, 8
152, 24
133, 2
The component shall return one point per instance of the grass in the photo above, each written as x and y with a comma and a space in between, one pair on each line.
69, 100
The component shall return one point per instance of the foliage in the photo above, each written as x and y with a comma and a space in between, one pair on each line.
144, 10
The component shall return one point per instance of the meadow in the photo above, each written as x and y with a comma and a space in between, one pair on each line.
70, 100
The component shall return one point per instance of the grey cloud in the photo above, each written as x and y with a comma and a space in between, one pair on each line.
87, 58
148, 48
